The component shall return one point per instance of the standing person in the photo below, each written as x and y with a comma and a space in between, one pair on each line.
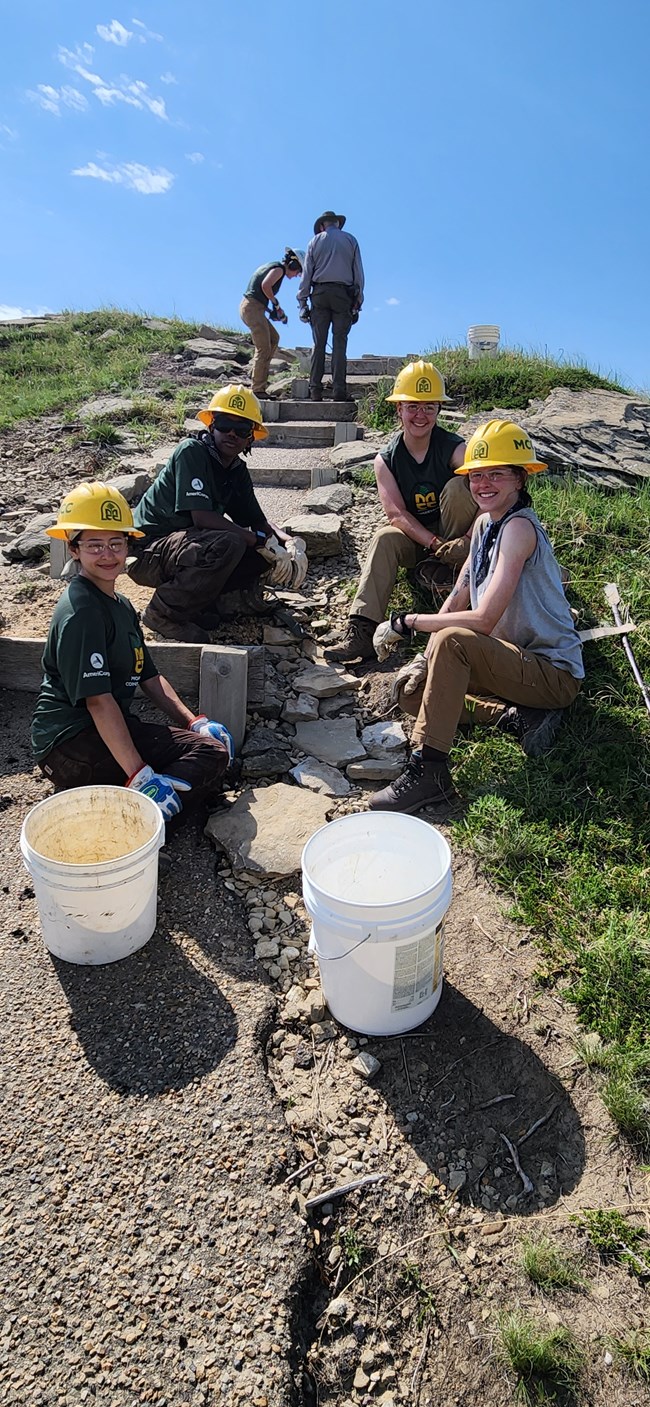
333, 276
83, 731
504, 648
429, 511
261, 298
203, 531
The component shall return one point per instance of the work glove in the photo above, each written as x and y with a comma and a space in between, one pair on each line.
409, 678
163, 790
389, 634
274, 552
304, 315
453, 552
297, 550
207, 728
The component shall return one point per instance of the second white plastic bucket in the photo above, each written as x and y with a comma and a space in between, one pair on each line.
92, 853
482, 340
377, 887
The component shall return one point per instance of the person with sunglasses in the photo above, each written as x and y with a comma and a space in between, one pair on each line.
503, 649
260, 300
204, 532
83, 731
429, 512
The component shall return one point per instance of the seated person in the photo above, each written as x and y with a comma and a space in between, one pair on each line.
505, 633
83, 732
203, 531
429, 512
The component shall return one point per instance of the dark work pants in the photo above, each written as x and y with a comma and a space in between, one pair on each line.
191, 569
85, 759
331, 305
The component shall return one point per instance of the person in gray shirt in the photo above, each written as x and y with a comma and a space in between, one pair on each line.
333, 277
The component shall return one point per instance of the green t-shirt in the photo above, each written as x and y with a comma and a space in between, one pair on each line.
192, 481
254, 289
421, 484
94, 646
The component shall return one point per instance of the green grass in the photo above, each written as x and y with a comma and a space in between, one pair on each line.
411, 1280
546, 1362
49, 369
353, 1248
568, 836
616, 1239
632, 1352
549, 1266
508, 381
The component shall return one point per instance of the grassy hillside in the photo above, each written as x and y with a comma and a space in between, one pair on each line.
52, 366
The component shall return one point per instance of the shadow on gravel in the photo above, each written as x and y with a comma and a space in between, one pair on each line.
150, 1023
454, 1073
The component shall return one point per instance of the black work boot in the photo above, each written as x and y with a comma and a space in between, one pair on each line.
535, 728
186, 632
356, 644
422, 784
315, 395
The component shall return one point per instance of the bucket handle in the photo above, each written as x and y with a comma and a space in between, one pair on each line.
322, 957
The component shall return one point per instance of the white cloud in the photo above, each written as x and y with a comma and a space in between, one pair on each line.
131, 174
168, 78
114, 33
196, 157
146, 33
51, 99
132, 91
392, 302
9, 314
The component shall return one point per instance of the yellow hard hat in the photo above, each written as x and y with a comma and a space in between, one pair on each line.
500, 442
419, 381
98, 506
236, 400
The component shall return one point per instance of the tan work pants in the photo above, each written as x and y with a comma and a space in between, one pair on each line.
265, 341
464, 668
391, 548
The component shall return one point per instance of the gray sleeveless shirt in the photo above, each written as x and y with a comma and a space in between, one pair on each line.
538, 618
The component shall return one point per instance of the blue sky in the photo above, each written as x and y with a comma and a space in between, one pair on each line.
491, 157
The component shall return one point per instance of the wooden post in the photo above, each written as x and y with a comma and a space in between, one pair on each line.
223, 687
59, 555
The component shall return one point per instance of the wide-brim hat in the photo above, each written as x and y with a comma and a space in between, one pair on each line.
328, 215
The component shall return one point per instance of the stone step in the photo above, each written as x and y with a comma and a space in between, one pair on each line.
372, 366
264, 474
301, 434
284, 410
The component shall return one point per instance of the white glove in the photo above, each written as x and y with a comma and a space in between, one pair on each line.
385, 639
274, 552
409, 677
297, 550
161, 788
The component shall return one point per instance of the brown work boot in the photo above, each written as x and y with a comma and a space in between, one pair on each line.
186, 632
356, 644
422, 784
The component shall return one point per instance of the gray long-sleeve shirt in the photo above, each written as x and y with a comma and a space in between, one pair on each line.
332, 257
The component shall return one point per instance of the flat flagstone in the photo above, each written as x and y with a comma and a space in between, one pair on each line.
254, 832
332, 740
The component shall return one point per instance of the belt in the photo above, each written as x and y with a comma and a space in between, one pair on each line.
325, 283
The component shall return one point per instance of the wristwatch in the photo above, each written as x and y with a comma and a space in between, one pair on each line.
261, 537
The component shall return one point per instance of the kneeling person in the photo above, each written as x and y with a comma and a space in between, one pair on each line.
83, 732
203, 530
429, 512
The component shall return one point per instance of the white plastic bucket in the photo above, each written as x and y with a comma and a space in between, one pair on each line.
482, 340
377, 887
92, 853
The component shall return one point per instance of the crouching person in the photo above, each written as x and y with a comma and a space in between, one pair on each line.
83, 732
203, 532
504, 649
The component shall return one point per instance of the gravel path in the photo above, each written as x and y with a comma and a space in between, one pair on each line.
150, 1253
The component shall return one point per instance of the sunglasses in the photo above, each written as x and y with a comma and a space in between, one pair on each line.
234, 425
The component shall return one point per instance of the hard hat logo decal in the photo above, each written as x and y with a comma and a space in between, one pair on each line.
97, 661
523, 444
423, 386
197, 484
110, 512
66, 507
480, 450
237, 403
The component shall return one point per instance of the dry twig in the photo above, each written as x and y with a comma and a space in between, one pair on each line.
527, 1184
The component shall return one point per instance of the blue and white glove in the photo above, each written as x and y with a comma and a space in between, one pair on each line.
163, 790
206, 728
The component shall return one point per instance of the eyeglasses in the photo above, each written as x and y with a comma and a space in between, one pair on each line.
234, 425
420, 406
493, 476
116, 545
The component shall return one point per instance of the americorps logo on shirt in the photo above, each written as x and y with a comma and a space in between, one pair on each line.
96, 670
197, 484
97, 661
